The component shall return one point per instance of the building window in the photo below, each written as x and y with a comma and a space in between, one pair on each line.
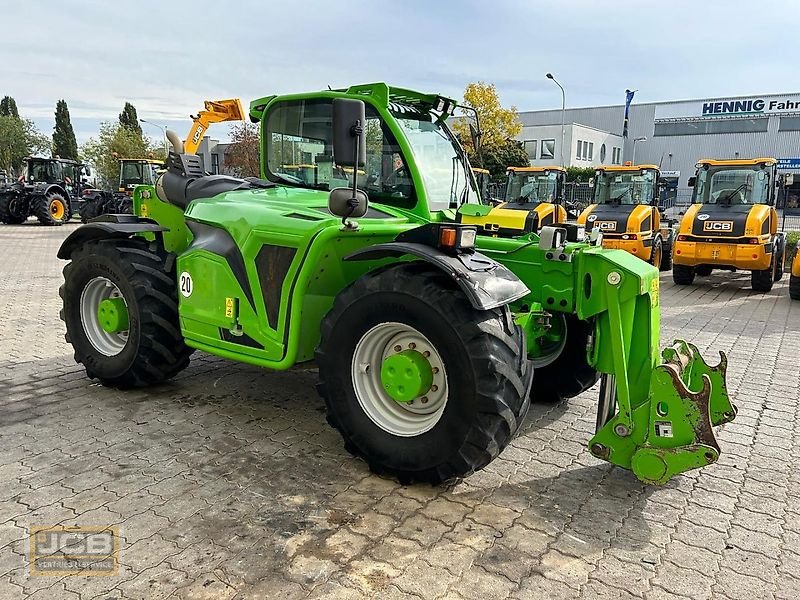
710, 127
578, 151
530, 148
602, 154
591, 150
789, 124
215, 163
548, 149
616, 159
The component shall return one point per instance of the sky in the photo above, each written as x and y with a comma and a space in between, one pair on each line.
167, 57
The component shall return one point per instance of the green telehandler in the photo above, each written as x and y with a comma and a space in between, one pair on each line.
431, 338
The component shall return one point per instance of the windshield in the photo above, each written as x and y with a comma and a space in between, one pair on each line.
43, 170
440, 162
625, 187
138, 172
532, 187
725, 185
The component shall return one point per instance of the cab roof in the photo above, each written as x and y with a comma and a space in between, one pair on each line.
738, 162
152, 161
626, 167
479, 170
382, 94
535, 169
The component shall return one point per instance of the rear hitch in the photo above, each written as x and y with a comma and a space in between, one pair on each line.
670, 431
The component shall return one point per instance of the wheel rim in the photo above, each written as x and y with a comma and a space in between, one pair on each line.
551, 345
401, 418
657, 256
96, 292
57, 209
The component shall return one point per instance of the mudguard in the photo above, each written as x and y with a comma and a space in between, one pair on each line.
107, 227
486, 283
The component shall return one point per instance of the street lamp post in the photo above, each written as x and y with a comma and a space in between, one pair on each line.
639, 139
563, 110
163, 132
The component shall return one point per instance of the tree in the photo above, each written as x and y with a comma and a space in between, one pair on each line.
498, 158
498, 124
19, 138
64, 143
8, 107
128, 118
114, 142
579, 174
242, 154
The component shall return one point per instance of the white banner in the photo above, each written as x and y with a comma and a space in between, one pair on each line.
741, 107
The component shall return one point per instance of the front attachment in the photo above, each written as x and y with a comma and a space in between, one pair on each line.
671, 432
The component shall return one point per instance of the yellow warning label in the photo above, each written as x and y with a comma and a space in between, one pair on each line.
143, 212
229, 308
654, 291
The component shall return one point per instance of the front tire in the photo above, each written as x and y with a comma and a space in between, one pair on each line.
779, 262
657, 253
482, 364
52, 209
151, 349
761, 281
682, 274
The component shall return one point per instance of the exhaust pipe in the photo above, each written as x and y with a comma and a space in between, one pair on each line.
175, 140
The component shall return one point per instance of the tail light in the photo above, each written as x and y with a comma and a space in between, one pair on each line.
681, 238
752, 241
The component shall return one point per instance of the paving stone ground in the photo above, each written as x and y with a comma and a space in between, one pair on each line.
228, 483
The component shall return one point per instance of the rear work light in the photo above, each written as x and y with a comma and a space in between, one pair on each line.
752, 241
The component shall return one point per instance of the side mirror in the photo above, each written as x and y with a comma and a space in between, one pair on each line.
346, 202
692, 181
476, 137
349, 133
591, 182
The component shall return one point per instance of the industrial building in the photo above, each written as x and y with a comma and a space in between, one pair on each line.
674, 135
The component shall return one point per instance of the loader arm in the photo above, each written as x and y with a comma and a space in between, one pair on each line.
215, 111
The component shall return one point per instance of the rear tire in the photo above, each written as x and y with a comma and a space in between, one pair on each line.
91, 209
666, 259
152, 350
781, 254
52, 209
794, 287
485, 368
761, 281
682, 274
570, 373
11, 212
657, 253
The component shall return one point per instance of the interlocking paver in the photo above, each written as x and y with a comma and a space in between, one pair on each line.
228, 483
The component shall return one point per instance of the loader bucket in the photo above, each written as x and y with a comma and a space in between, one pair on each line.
671, 432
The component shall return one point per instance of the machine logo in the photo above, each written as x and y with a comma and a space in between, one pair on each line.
702, 217
606, 225
718, 226
591, 218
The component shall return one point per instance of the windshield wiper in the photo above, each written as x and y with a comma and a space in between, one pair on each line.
730, 196
621, 196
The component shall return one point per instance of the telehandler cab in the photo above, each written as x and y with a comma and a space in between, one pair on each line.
625, 210
732, 223
431, 338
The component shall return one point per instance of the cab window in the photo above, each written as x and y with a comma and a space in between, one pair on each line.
298, 143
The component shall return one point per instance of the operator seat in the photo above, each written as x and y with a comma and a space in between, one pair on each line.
733, 196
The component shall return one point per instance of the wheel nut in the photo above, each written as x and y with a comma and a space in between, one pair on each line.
424, 399
435, 370
434, 388
426, 354
398, 348
412, 345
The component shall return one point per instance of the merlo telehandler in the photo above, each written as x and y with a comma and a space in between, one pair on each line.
732, 223
431, 337
625, 210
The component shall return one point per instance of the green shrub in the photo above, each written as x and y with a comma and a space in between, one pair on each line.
792, 237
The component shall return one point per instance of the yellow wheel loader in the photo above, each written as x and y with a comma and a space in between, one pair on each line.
732, 223
625, 210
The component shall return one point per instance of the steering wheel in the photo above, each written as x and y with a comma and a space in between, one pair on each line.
399, 182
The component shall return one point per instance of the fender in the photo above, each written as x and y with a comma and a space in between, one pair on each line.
486, 283
107, 227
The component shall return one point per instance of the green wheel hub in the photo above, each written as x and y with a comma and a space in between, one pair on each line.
406, 375
112, 314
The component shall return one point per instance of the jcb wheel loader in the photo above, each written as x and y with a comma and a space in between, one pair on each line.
431, 336
625, 210
732, 223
